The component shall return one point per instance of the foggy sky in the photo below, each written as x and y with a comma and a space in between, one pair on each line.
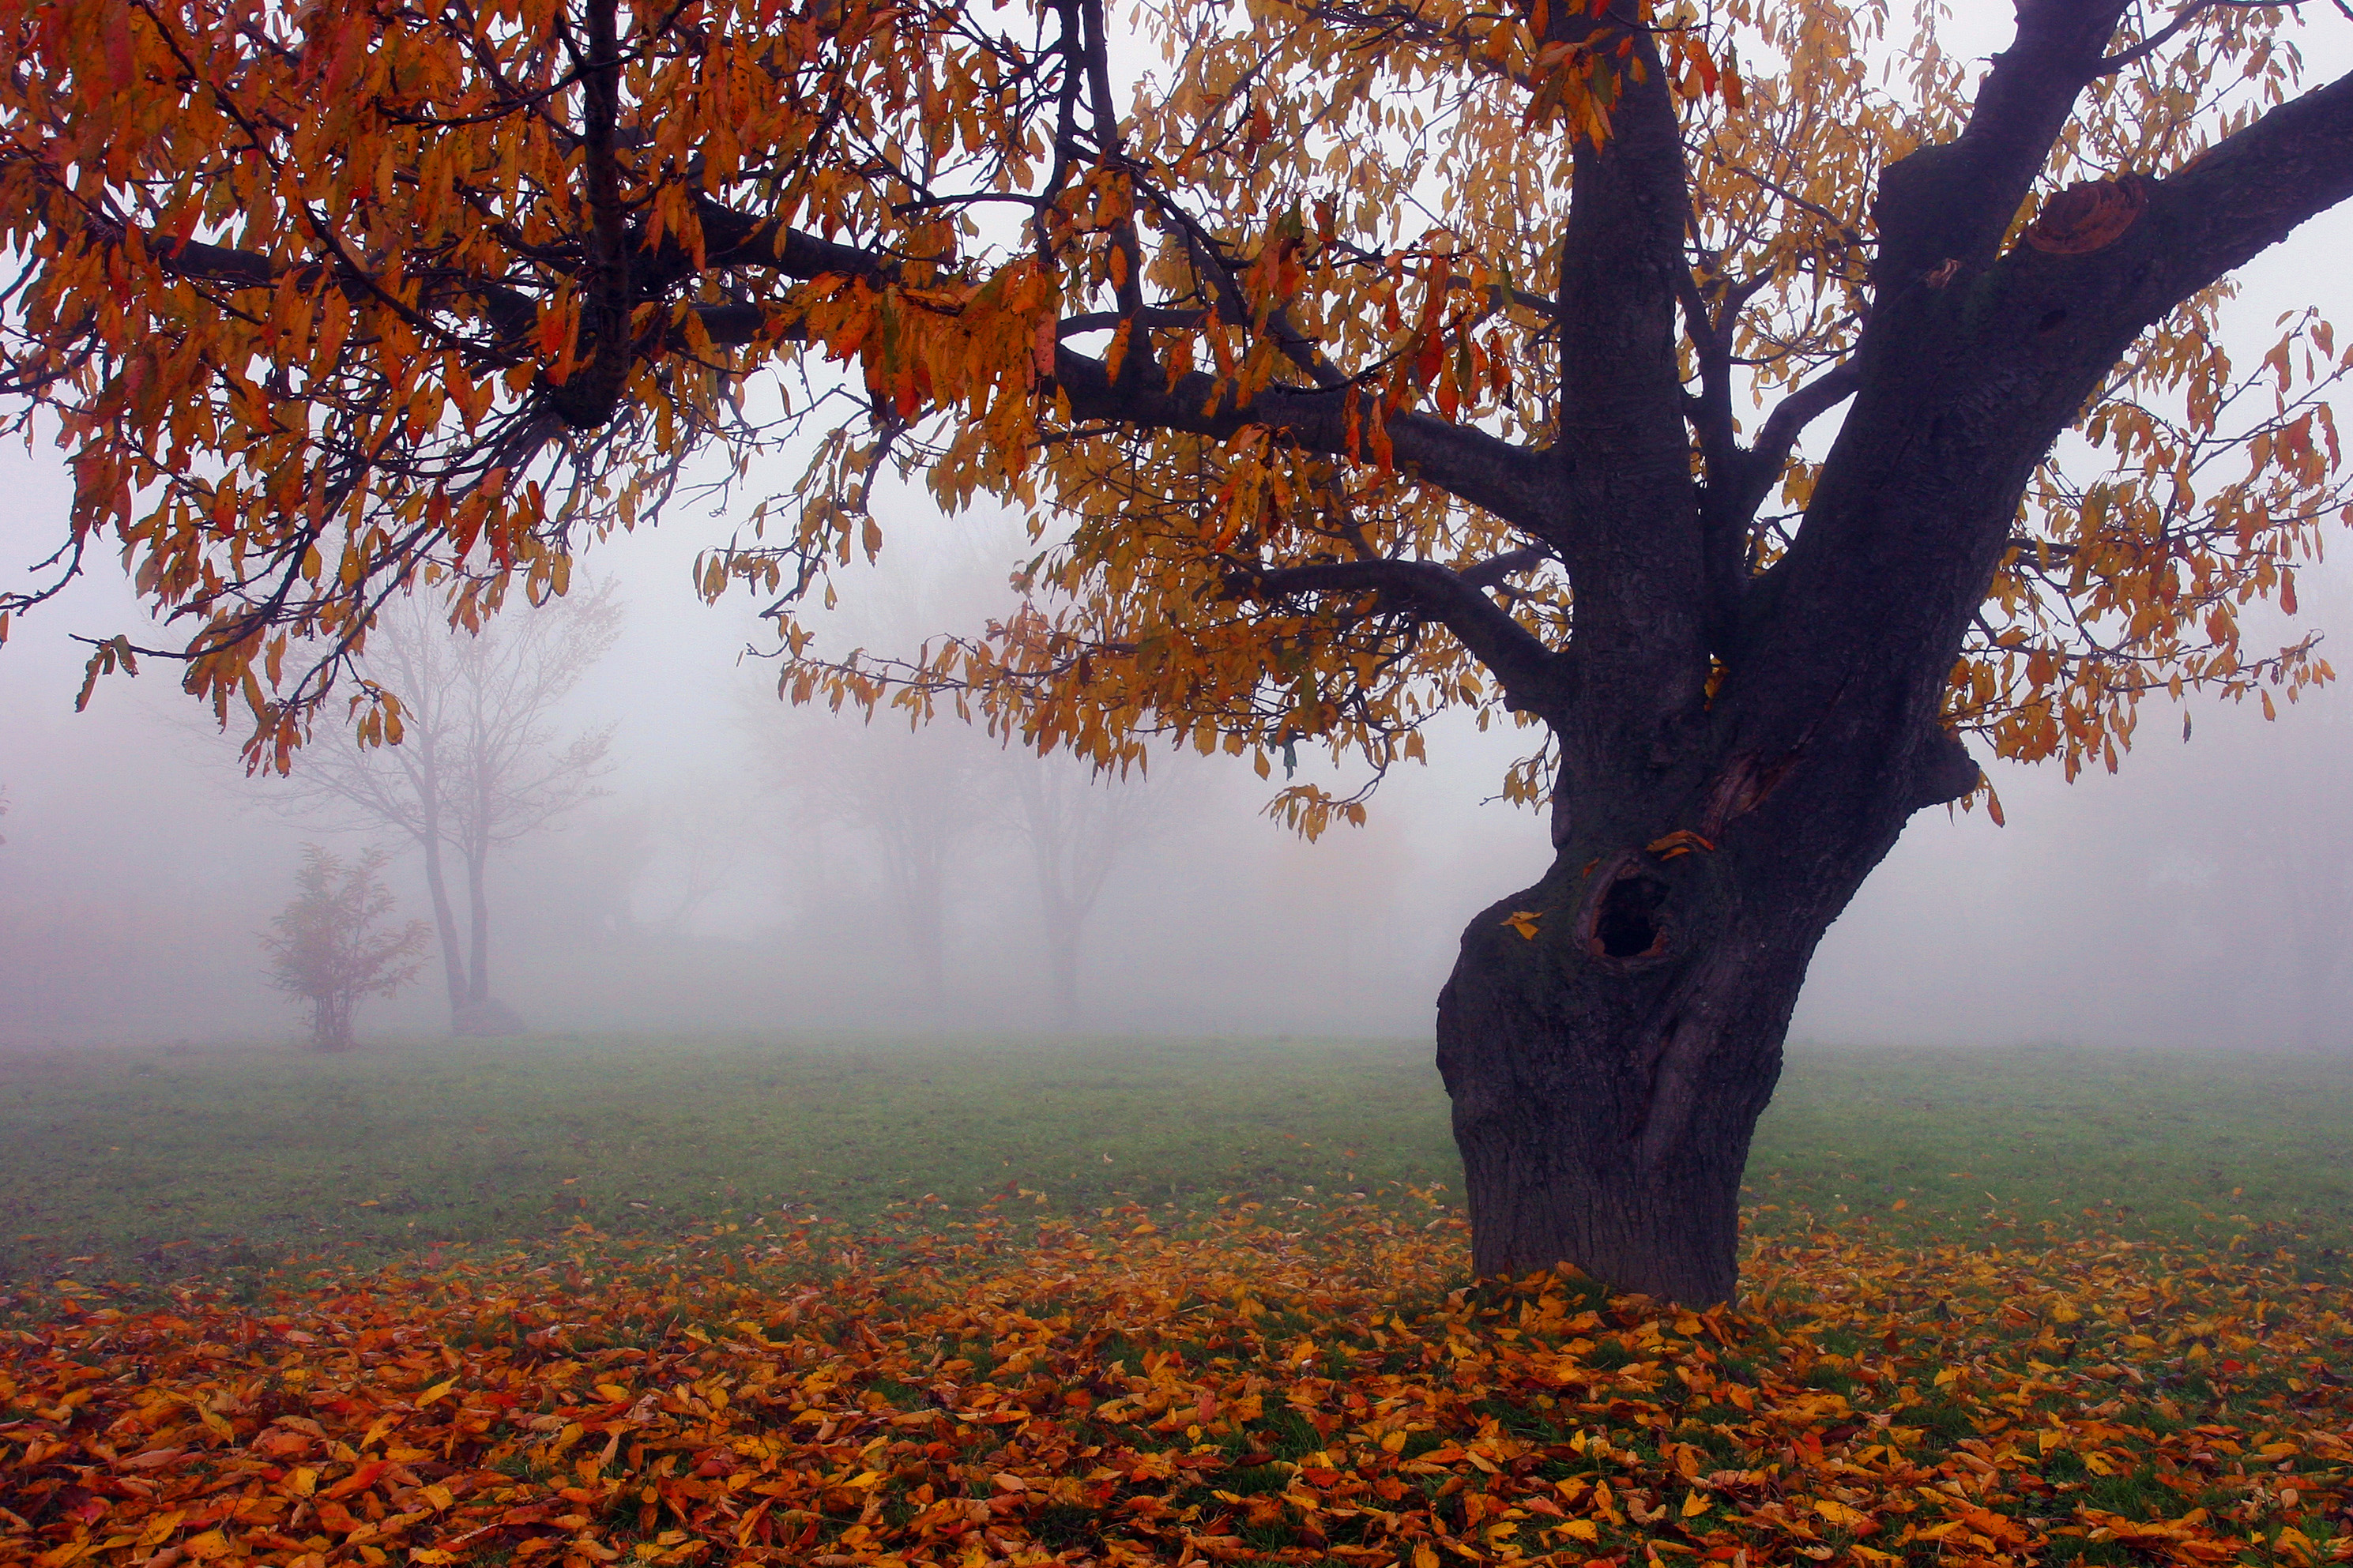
2162, 907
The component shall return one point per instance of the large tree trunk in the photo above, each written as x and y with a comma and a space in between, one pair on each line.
1610, 1035
1603, 1104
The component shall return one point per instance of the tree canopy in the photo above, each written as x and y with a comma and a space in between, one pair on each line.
1279, 339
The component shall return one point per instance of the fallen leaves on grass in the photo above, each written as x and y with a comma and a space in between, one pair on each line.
1272, 1386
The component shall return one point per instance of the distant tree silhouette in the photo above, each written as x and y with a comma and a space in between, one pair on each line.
478, 765
1076, 823
908, 796
327, 949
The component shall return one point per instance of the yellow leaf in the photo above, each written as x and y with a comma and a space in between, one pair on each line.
1847, 1518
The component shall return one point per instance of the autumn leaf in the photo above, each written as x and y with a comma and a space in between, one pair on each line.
788, 1406
1852, 1520
331, 305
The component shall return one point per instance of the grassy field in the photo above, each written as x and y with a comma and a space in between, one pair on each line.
1113, 1305
156, 1164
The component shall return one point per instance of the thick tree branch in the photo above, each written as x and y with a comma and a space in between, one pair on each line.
1630, 534
1516, 484
2245, 195
1530, 672
510, 311
1737, 483
1953, 202
1792, 415
1722, 522
1105, 321
1492, 571
733, 239
588, 397
1966, 376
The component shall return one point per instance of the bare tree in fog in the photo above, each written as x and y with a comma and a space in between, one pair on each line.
907, 794
479, 765
917, 796
2319, 891
1075, 824
693, 850
328, 951
2306, 837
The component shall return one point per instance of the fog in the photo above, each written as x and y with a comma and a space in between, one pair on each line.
747, 867
735, 871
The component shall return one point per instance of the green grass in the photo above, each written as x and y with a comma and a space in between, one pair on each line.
2166, 1140
237, 1154
192, 1160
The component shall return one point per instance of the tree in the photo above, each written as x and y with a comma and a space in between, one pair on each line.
2284, 894
1075, 824
327, 949
477, 765
1369, 358
909, 798
697, 847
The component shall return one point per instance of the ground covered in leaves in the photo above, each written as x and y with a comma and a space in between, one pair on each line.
1271, 1385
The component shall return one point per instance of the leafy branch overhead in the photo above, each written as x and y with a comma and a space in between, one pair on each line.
1328, 356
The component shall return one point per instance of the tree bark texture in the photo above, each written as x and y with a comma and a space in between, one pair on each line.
1610, 1034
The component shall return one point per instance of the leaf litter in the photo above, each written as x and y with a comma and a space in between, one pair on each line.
1270, 1384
